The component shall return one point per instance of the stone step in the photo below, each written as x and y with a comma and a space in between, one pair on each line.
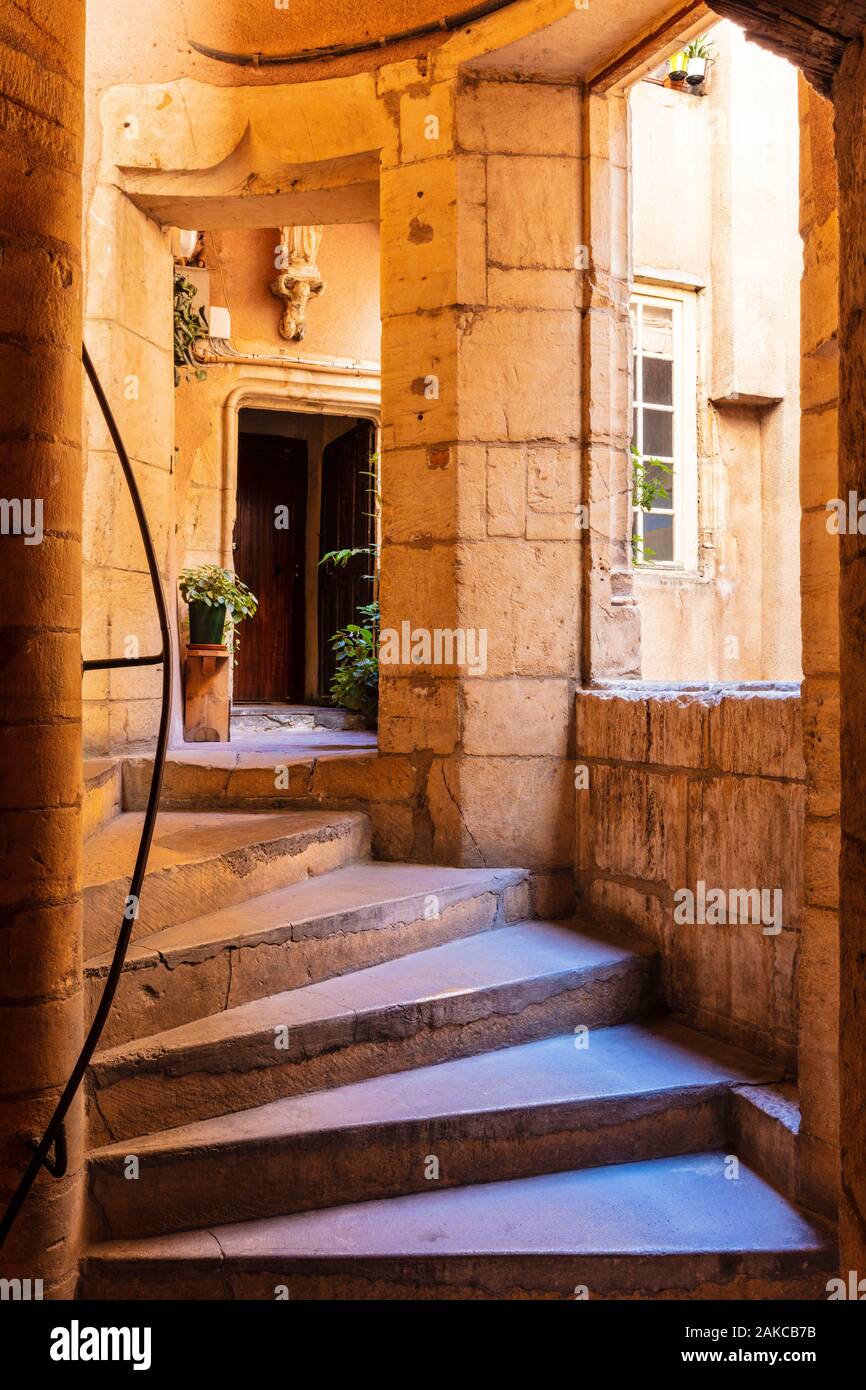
316, 769
102, 793
319, 768
666, 1228
271, 718
200, 859
634, 1092
345, 920
486, 991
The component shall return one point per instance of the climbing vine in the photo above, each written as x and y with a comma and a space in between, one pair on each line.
190, 324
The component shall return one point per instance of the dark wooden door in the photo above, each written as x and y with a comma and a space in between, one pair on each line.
269, 557
348, 504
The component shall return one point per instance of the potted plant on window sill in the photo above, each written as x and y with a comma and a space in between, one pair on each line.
698, 59
217, 601
678, 65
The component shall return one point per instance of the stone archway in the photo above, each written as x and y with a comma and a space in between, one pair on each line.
823, 38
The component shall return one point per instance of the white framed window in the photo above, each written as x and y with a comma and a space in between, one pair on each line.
664, 428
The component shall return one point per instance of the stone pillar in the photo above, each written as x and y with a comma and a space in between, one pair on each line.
850, 93
818, 1061
41, 129
480, 470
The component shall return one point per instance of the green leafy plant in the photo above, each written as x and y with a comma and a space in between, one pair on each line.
355, 683
647, 488
212, 587
701, 48
190, 324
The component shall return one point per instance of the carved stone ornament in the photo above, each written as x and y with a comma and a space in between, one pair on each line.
298, 278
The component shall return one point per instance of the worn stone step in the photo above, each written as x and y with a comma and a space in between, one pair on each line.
102, 793
666, 1228
342, 921
204, 860
499, 987
634, 1092
319, 769
271, 719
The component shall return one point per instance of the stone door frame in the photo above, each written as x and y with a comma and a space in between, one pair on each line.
313, 387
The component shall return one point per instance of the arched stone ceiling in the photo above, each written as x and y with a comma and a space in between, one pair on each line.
160, 40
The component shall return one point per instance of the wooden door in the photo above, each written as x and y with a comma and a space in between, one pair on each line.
269, 557
348, 505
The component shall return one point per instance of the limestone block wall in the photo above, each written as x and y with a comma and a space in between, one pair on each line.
850, 93
819, 557
128, 329
41, 1016
679, 785
480, 463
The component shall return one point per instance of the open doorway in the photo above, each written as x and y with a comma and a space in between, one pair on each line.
270, 541
303, 489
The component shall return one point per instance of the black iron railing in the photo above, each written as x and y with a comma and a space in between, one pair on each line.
51, 1150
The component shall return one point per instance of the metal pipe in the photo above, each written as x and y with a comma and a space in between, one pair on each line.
346, 50
55, 1133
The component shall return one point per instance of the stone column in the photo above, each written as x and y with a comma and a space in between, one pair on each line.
480, 471
850, 93
818, 1060
41, 127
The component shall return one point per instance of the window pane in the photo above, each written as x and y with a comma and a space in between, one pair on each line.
658, 535
658, 433
658, 330
658, 381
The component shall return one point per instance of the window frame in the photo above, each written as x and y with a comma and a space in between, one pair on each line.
683, 303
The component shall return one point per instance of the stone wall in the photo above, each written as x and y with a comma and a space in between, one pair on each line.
849, 631
480, 462
679, 785
41, 1016
128, 330
819, 559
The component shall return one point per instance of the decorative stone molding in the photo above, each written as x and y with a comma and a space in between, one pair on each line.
298, 279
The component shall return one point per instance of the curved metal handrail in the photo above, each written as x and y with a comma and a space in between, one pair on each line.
55, 1133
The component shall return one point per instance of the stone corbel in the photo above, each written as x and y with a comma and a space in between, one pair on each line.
298, 279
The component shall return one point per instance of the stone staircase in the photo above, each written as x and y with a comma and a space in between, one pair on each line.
327, 1077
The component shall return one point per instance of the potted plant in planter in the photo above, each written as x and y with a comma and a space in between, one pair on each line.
698, 56
217, 600
678, 65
